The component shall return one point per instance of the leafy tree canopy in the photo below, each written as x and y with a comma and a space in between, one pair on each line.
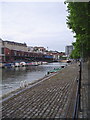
79, 20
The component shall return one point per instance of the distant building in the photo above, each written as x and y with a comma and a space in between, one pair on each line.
56, 55
11, 51
68, 50
30, 49
15, 46
2, 55
40, 49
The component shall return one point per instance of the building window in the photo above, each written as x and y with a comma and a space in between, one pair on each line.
2, 50
15, 53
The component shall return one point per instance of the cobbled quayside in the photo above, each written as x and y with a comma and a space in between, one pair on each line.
51, 98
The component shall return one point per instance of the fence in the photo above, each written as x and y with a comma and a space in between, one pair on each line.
77, 107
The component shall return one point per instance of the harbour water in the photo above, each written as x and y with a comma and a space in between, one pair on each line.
12, 77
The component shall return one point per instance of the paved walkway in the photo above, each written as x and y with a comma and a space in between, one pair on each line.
85, 92
52, 98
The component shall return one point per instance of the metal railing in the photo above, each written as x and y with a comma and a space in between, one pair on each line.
77, 106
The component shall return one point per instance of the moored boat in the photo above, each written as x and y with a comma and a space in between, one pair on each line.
8, 65
44, 63
22, 64
54, 70
1, 65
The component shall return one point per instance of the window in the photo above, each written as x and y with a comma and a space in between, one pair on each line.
2, 50
15, 53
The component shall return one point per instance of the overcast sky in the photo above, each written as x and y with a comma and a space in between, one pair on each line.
36, 24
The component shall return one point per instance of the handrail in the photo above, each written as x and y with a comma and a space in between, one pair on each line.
77, 107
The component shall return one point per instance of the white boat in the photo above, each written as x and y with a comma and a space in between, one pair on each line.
22, 64
44, 63
39, 63
17, 64
1, 64
34, 63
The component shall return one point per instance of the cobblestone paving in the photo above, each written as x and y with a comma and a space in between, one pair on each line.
84, 93
51, 98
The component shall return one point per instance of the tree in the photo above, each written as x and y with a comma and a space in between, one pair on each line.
78, 20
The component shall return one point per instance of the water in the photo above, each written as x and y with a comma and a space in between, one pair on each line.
12, 77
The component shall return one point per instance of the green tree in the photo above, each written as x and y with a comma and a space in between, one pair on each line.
78, 20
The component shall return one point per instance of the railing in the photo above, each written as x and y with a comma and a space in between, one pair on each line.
77, 107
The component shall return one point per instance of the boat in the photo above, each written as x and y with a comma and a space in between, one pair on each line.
1, 65
32, 64
39, 63
17, 64
8, 65
68, 61
54, 70
35, 63
22, 64
44, 63
63, 61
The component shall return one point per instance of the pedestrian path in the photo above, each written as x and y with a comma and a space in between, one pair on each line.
51, 98
85, 88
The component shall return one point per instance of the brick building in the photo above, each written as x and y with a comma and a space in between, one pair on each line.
13, 51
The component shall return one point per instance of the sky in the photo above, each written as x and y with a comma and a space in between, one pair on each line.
36, 24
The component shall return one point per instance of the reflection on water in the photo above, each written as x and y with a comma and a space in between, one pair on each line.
12, 77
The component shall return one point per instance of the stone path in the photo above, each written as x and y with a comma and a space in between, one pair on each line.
85, 88
52, 98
